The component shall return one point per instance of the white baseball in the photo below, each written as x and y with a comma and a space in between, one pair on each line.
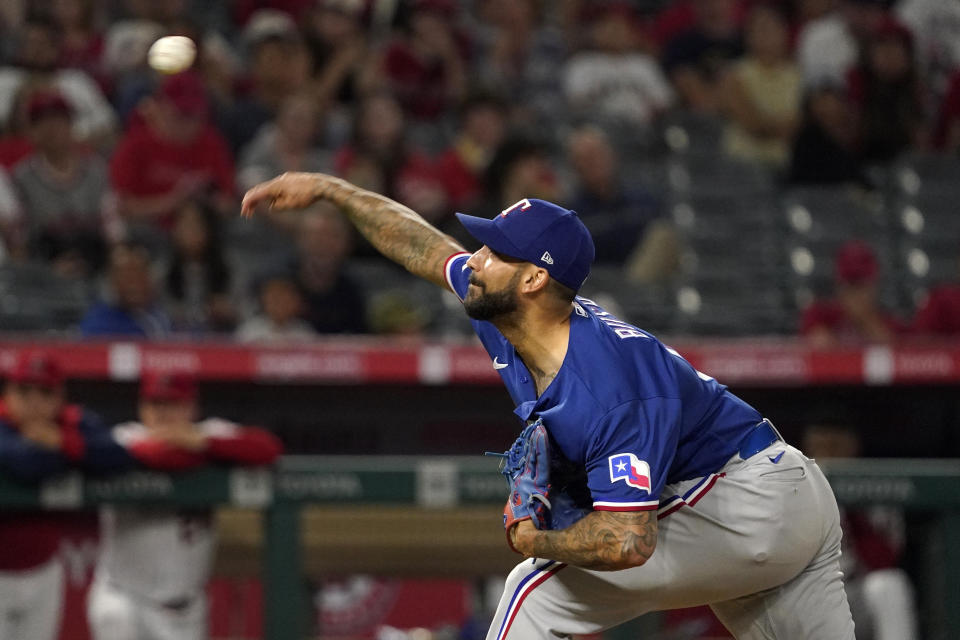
171, 54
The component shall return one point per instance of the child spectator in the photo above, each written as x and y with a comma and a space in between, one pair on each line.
761, 92
854, 314
62, 189
130, 307
41, 436
281, 313
155, 562
198, 279
174, 155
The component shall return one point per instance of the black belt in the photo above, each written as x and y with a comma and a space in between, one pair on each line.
759, 438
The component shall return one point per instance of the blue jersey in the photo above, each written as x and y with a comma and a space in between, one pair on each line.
624, 407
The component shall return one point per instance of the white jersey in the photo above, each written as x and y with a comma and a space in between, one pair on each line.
158, 553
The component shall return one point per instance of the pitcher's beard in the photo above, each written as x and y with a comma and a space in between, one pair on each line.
490, 306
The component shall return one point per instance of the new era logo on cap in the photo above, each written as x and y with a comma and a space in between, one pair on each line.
540, 232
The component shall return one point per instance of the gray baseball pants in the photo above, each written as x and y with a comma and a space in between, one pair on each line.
759, 542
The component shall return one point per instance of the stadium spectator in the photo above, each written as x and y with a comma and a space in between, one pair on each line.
825, 148
935, 26
885, 89
279, 66
281, 312
125, 47
828, 47
521, 168
379, 156
41, 436
946, 136
62, 188
82, 41
483, 125
335, 31
130, 306
425, 66
36, 65
615, 210
198, 281
334, 303
855, 313
173, 155
155, 562
288, 143
695, 58
518, 55
939, 313
761, 91
879, 591
613, 81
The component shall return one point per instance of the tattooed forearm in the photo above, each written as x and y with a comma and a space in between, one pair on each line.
603, 540
395, 230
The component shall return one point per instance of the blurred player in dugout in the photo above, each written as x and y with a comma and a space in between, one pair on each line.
154, 562
41, 436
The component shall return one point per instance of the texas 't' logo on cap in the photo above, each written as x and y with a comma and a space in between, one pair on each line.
540, 232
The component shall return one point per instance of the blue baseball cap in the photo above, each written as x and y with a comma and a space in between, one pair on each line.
540, 232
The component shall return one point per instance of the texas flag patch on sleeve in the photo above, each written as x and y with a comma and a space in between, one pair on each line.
630, 469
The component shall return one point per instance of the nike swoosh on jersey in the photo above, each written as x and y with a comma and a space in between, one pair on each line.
499, 365
775, 459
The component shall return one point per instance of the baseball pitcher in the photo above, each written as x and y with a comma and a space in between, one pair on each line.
639, 483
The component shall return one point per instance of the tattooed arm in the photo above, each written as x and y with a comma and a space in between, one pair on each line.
395, 230
603, 540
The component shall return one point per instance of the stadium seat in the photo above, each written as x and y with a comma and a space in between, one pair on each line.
34, 298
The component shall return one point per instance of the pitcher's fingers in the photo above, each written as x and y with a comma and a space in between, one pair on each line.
253, 197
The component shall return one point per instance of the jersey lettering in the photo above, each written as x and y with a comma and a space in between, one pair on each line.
622, 329
630, 469
522, 204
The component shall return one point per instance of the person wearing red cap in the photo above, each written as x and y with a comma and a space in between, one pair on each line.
939, 313
855, 314
154, 562
171, 154
41, 436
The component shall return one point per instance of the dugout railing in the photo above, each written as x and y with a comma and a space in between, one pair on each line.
434, 485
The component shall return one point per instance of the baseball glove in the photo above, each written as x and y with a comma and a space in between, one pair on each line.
526, 466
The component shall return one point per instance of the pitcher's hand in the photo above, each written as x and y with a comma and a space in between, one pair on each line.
290, 191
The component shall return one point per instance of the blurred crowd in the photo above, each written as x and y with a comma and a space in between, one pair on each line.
128, 181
